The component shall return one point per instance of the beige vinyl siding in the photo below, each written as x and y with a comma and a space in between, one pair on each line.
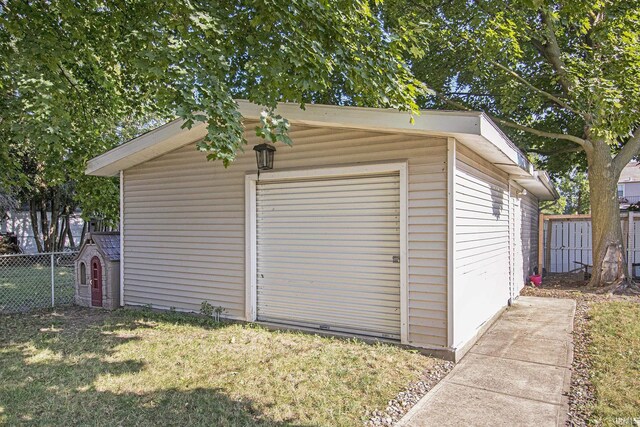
184, 221
482, 273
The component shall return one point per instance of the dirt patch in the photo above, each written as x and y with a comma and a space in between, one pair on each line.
582, 395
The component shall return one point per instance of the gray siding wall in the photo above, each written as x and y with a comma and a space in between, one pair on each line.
184, 222
524, 229
631, 189
482, 264
529, 235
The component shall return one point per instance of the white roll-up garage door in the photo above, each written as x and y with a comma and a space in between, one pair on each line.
328, 254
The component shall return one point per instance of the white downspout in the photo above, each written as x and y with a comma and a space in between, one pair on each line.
121, 238
451, 235
511, 245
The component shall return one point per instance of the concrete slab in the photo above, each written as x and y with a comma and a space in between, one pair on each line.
548, 316
543, 303
517, 373
522, 328
527, 349
455, 405
513, 377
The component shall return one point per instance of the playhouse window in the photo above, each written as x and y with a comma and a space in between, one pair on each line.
83, 274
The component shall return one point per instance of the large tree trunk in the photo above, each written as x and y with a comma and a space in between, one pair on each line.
609, 260
62, 233
55, 216
44, 225
83, 233
33, 214
72, 243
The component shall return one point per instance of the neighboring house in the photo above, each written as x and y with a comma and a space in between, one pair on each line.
629, 184
368, 225
19, 222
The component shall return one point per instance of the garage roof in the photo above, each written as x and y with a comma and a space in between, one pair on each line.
473, 129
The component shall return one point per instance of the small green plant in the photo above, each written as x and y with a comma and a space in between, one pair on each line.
148, 307
206, 309
218, 311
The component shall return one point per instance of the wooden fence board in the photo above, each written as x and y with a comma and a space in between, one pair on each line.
567, 242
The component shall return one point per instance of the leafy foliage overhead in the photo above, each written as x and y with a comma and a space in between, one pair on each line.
74, 73
563, 77
556, 73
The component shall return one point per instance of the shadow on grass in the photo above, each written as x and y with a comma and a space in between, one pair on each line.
51, 364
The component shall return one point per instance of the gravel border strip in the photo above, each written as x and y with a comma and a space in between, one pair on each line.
407, 398
582, 393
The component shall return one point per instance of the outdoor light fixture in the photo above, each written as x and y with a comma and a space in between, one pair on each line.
264, 156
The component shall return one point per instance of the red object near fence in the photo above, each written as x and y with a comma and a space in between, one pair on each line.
536, 279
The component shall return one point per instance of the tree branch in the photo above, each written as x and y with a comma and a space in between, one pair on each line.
576, 140
628, 152
544, 93
583, 143
474, 94
551, 51
554, 57
572, 149
453, 103
63, 71
594, 19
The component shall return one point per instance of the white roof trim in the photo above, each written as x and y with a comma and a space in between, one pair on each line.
539, 185
473, 129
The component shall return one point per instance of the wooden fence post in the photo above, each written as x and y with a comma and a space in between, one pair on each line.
547, 251
624, 224
53, 282
540, 242
630, 244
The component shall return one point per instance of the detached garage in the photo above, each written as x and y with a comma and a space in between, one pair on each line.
368, 225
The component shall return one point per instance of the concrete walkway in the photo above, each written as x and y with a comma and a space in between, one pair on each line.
517, 374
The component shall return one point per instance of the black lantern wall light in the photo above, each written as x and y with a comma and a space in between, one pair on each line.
264, 156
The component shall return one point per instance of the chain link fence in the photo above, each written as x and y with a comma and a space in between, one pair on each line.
36, 281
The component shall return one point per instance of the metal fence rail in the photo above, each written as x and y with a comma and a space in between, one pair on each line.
36, 281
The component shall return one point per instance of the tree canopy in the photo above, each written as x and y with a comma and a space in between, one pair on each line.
556, 74
74, 75
562, 78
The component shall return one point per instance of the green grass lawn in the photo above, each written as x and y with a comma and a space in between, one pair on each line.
88, 367
26, 287
615, 356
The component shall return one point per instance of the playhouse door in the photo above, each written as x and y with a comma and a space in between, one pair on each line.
96, 282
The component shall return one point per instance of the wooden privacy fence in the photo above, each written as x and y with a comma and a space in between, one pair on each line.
567, 242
